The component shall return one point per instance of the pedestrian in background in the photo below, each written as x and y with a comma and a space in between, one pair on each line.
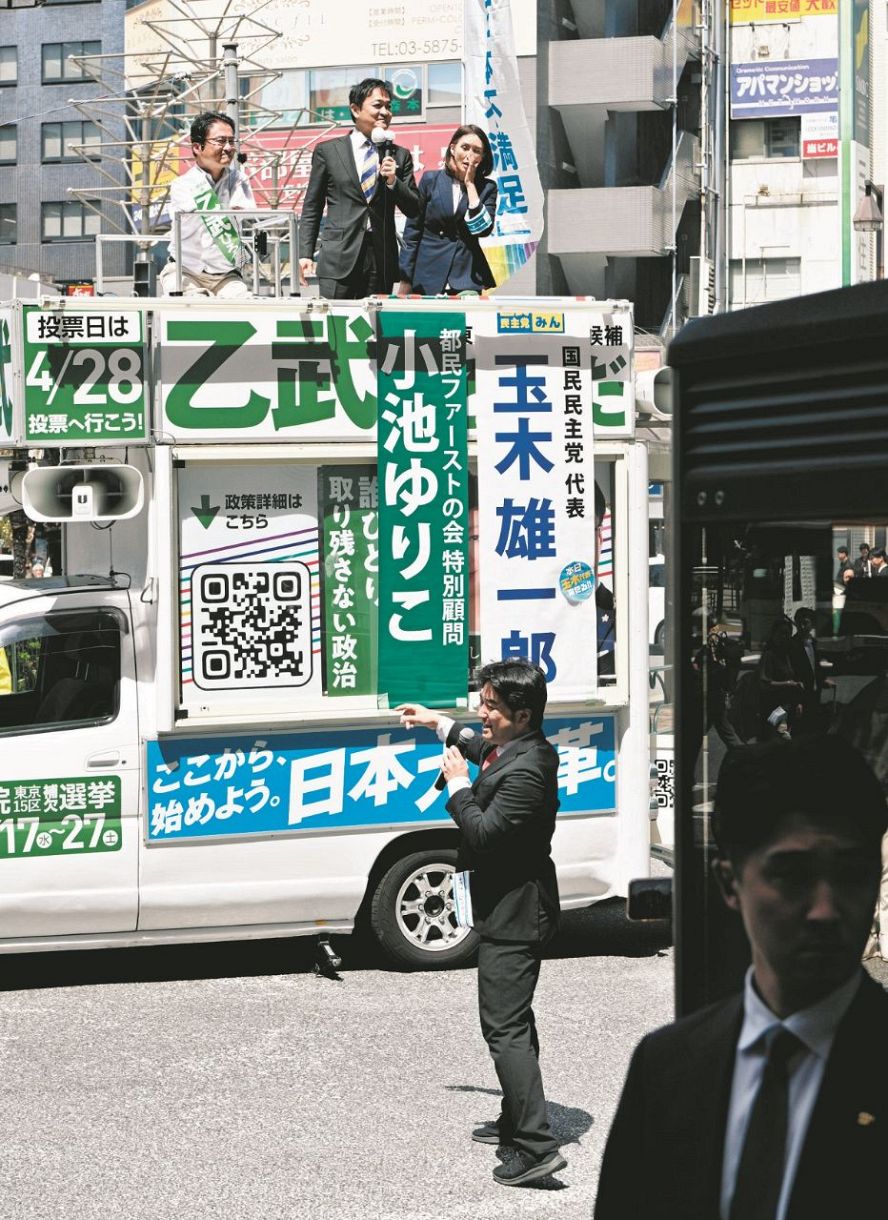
772, 1105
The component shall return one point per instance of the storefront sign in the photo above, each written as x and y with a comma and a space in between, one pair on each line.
770, 90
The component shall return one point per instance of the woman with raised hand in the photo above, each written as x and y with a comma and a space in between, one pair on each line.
441, 251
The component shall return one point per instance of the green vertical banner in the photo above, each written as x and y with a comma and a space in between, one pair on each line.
423, 508
350, 523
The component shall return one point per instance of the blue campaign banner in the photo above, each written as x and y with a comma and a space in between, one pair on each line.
768, 89
341, 779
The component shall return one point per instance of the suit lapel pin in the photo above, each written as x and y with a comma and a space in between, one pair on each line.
864, 1119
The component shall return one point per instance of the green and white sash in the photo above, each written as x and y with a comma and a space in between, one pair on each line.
222, 229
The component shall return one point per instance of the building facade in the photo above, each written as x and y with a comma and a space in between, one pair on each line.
45, 230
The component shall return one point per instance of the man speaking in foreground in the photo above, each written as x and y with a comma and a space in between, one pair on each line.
772, 1105
506, 820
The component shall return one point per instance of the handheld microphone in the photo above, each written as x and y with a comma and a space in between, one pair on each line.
465, 736
383, 142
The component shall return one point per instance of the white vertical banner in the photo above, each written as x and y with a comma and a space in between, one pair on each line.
494, 102
536, 494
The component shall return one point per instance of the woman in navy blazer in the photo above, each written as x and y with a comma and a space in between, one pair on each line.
440, 251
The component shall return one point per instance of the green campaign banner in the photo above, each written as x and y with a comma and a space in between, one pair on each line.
423, 508
350, 521
59, 817
84, 376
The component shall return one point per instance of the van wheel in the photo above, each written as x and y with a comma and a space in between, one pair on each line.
412, 913
660, 637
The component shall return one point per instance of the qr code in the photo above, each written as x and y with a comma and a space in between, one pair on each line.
251, 625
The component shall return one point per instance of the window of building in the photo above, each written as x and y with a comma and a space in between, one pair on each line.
8, 144
8, 224
59, 67
60, 141
70, 220
773, 138
328, 90
756, 280
8, 66
444, 85
286, 96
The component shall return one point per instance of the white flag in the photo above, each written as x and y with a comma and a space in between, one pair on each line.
494, 103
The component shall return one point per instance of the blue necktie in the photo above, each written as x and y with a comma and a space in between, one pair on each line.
370, 171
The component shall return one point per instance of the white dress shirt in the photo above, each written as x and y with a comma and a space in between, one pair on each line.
199, 250
445, 724
815, 1027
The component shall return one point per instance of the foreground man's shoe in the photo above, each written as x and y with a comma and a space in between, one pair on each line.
489, 1133
527, 1168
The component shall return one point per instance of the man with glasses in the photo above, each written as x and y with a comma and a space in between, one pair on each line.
211, 251
506, 819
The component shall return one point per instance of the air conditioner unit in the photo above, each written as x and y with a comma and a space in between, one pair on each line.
106, 492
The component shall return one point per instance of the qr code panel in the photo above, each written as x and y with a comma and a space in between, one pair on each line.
251, 625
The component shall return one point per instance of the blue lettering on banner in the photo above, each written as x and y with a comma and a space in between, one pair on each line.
352, 779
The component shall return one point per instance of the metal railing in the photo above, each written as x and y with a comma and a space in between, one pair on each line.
276, 226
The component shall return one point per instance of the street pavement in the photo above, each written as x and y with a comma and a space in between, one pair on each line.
231, 1081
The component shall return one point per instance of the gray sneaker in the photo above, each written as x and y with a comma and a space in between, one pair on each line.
489, 1133
526, 1168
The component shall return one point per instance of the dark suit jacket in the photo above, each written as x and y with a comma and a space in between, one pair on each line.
334, 181
506, 821
438, 247
663, 1159
811, 679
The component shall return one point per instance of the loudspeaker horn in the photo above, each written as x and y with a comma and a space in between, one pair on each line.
109, 492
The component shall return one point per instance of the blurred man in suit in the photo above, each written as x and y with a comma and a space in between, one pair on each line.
506, 820
361, 183
772, 1105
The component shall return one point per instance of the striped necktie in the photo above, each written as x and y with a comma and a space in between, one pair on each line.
370, 171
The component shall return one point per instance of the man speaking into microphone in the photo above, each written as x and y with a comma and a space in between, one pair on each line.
361, 178
506, 820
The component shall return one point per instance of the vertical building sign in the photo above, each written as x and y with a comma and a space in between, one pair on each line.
349, 498
536, 492
423, 508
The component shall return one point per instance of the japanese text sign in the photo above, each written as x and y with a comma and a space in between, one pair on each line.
423, 508
757, 11
234, 376
767, 89
83, 376
536, 493
57, 817
6, 426
349, 506
341, 780
249, 596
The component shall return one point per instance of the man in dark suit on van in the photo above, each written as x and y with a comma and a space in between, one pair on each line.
773, 1104
361, 183
506, 820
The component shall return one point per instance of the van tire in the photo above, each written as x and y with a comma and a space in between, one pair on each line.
412, 916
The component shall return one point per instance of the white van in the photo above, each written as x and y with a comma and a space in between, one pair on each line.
200, 739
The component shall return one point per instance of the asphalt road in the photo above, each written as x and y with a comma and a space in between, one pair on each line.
231, 1081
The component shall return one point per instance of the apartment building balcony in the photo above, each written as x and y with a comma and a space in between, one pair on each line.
615, 73
625, 221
